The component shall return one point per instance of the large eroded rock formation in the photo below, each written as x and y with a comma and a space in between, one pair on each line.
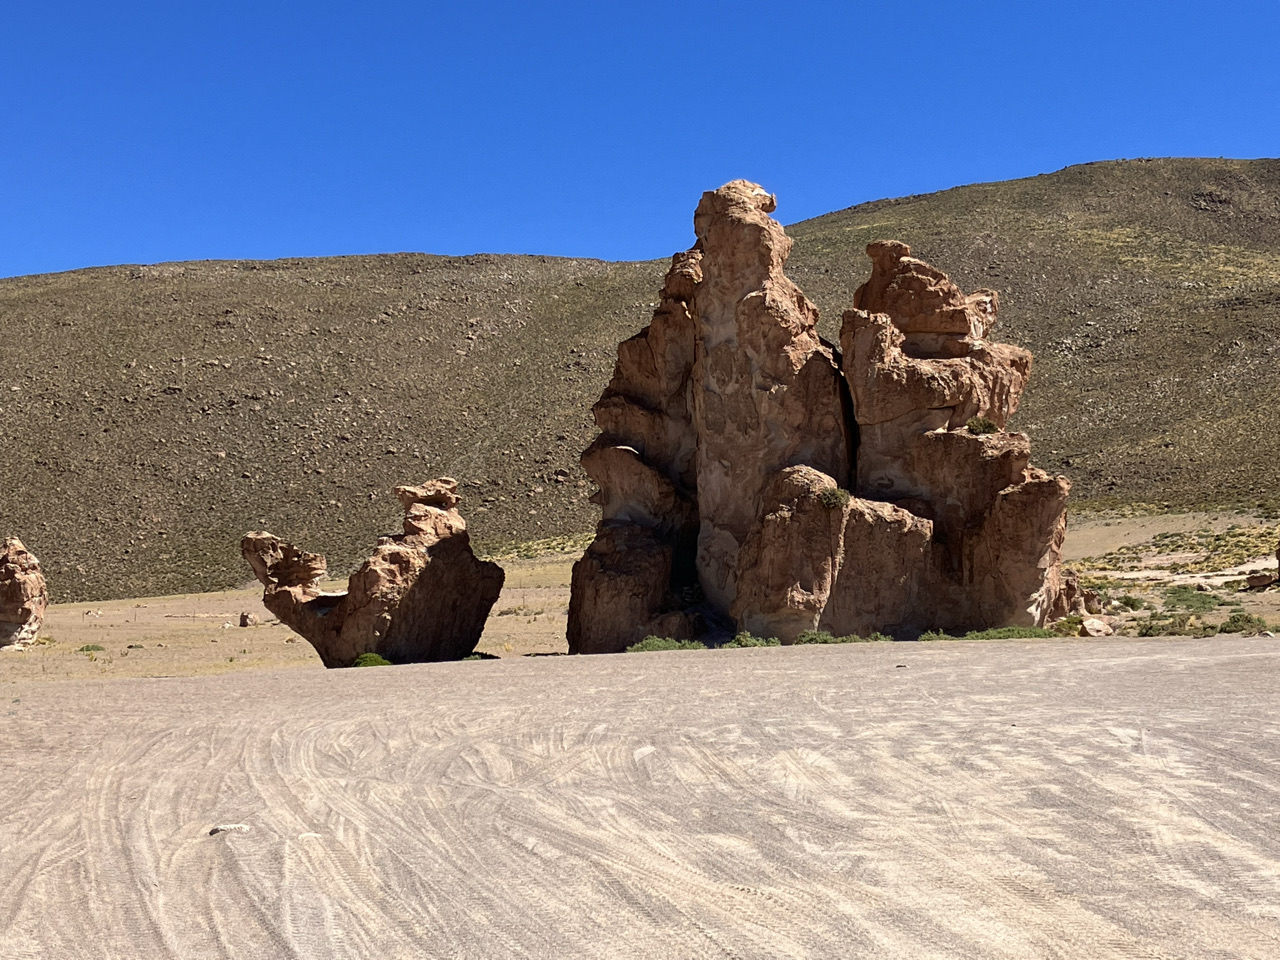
753, 477
422, 596
23, 595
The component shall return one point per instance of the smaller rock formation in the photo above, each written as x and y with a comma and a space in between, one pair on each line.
1260, 581
23, 595
1073, 599
422, 596
1095, 628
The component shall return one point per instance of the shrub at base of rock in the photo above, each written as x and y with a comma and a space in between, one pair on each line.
422, 596
24, 595
753, 477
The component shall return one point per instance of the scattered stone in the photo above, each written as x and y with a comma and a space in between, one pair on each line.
248, 620
24, 596
229, 827
1260, 581
753, 477
422, 596
1095, 628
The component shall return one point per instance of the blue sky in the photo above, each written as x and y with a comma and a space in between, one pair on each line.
142, 132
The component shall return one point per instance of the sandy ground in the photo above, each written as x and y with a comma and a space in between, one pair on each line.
1094, 799
198, 634
223, 795
1092, 535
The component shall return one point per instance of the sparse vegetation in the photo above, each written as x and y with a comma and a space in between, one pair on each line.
371, 660
1245, 623
834, 498
92, 648
651, 644
995, 633
1182, 624
823, 636
745, 639
1191, 599
981, 425
1010, 633
1130, 602
1197, 551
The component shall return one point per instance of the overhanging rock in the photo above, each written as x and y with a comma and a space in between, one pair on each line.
422, 595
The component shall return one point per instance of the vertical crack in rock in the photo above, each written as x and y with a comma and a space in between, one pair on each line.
23, 595
752, 477
422, 596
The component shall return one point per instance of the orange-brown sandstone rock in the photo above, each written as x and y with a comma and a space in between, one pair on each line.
422, 596
752, 477
23, 595
766, 389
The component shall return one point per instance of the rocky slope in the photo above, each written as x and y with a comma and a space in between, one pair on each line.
150, 415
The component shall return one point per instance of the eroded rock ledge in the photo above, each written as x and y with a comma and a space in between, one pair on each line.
422, 596
752, 476
24, 596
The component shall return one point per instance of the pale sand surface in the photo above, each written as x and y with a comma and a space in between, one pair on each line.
1090, 799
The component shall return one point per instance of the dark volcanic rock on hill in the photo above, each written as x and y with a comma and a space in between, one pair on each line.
422, 596
150, 415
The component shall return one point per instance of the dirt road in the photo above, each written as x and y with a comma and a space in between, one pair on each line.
1099, 799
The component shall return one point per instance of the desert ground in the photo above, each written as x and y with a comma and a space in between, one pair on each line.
198, 789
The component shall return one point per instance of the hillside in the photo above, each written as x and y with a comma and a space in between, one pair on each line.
151, 415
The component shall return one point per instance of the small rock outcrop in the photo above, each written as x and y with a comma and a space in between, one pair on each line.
23, 595
422, 596
753, 476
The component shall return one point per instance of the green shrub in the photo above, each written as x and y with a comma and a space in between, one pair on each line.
650, 644
1190, 599
371, 660
981, 425
932, 635
1246, 623
834, 498
1132, 602
1068, 626
92, 648
1009, 633
1177, 625
824, 636
745, 639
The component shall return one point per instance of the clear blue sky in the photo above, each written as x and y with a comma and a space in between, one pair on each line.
140, 132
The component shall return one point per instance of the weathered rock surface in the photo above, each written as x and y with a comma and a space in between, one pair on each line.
1260, 581
753, 477
766, 392
644, 465
1095, 628
23, 595
422, 596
